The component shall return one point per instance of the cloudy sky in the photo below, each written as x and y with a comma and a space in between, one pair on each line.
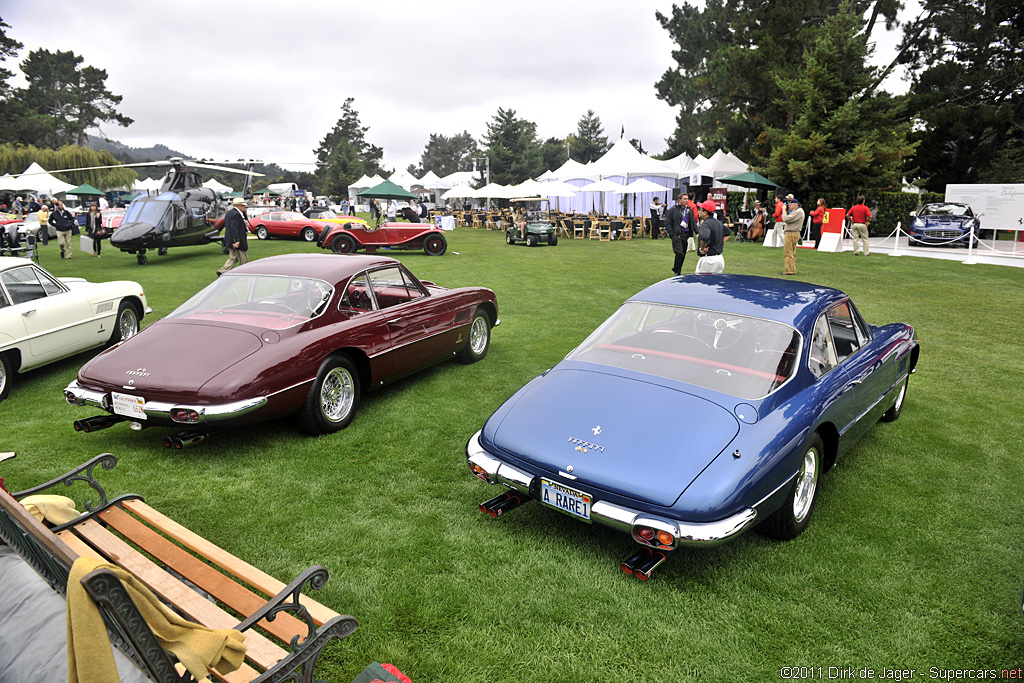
266, 80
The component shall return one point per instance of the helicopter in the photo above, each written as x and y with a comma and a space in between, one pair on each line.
183, 213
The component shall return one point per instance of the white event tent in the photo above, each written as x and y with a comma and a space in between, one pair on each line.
217, 186
37, 179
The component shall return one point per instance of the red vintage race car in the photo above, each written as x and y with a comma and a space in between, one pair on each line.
351, 237
286, 224
298, 334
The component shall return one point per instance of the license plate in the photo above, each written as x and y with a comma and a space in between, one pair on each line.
568, 500
129, 405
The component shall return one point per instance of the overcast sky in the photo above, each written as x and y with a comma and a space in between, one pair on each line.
266, 80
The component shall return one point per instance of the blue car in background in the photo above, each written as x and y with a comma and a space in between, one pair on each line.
943, 223
706, 405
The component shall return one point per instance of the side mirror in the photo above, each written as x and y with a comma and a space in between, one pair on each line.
913, 214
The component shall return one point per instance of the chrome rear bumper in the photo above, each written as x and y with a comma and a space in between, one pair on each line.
77, 395
616, 516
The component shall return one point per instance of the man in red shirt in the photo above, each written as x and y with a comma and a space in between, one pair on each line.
860, 217
780, 225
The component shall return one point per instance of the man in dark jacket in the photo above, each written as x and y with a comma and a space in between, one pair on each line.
63, 222
680, 224
235, 236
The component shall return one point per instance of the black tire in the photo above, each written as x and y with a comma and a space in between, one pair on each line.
162, 251
508, 238
896, 408
141, 259
553, 240
792, 518
435, 245
478, 339
343, 244
6, 376
126, 324
309, 234
262, 232
332, 400
531, 240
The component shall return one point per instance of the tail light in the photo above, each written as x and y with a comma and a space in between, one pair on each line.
184, 415
479, 472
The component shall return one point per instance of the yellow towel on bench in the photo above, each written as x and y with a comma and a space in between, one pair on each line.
56, 510
90, 659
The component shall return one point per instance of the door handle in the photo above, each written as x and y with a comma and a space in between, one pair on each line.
856, 382
28, 312
394, 321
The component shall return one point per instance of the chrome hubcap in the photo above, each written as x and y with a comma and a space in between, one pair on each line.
806, 483
337, 394
478, 336
128, 324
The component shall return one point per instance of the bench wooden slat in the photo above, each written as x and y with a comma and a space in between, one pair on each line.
223, 559
79, 546
259, 649
232, 594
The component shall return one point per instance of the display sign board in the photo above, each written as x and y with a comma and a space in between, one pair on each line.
832, 230
719, 195
1003, 205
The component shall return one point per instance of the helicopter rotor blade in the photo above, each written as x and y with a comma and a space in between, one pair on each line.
222, 168
97, 168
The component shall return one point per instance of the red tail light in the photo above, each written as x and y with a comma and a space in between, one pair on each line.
184, 415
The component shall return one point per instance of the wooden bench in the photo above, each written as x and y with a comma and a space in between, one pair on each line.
285, 631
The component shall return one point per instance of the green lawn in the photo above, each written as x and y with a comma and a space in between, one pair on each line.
913, 558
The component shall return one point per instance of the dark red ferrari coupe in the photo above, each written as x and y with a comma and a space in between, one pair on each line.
351, 237
302, 334
286, 224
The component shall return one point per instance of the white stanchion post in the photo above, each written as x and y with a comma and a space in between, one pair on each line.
970, 260
896, 246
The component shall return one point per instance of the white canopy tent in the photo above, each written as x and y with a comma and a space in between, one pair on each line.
37, 179
431, 181
403, 179
721, 164
217, 186
495, 191
9, 183
461, 191
457, 178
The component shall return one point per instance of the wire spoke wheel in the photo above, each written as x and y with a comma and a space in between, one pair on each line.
337, 395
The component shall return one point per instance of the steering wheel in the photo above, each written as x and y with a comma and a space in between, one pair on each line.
316, 297
724, 331
279, 304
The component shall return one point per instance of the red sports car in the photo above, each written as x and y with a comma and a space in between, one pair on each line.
286, 224
111, 218
302, 334
351, 237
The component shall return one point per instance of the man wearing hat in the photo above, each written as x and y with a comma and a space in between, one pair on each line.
711, 240
18, 208
235, 236
794, 220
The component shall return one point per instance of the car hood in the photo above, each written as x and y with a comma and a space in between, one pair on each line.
629, 436
947, 220
171, 358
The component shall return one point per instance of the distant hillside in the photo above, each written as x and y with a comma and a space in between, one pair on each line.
127, 154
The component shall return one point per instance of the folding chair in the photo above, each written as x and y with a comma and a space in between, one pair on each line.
578, 228
604, 231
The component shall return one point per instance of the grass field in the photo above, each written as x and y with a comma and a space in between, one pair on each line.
913, 558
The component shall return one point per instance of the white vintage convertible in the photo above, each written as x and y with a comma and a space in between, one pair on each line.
44, 319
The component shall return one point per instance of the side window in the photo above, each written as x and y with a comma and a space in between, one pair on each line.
28, 284
863, 334
414, 291
823, 354
390, 287
357, 295
844, 331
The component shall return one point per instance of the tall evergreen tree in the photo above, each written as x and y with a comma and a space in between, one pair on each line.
445, 155
554, 152
513, 148
840, 139
351, 132
589, 143
967, 91
730, 61
75, 97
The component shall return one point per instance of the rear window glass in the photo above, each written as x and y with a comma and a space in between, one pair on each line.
738, 355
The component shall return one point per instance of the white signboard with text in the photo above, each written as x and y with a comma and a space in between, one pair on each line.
1003, 205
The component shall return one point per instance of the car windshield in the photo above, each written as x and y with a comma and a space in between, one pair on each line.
265, 301
738, 355
327, 214
946, 210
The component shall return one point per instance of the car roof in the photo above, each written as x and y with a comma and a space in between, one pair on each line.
12, 261
328, 267
786, 301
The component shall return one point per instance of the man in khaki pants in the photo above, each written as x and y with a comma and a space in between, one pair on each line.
794, 222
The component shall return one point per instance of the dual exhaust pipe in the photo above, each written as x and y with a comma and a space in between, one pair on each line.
96, 423
644, 562
500, 504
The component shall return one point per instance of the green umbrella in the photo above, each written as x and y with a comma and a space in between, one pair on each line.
85, 189
388, 190
748, 179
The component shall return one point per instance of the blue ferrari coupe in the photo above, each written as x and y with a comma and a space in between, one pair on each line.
706, 405
943, 224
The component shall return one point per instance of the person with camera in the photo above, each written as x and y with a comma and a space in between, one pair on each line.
793, 219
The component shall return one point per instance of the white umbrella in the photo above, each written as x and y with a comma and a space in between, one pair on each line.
645, 185
494, 191
557, 188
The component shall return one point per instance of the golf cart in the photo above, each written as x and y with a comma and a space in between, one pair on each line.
538, 223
